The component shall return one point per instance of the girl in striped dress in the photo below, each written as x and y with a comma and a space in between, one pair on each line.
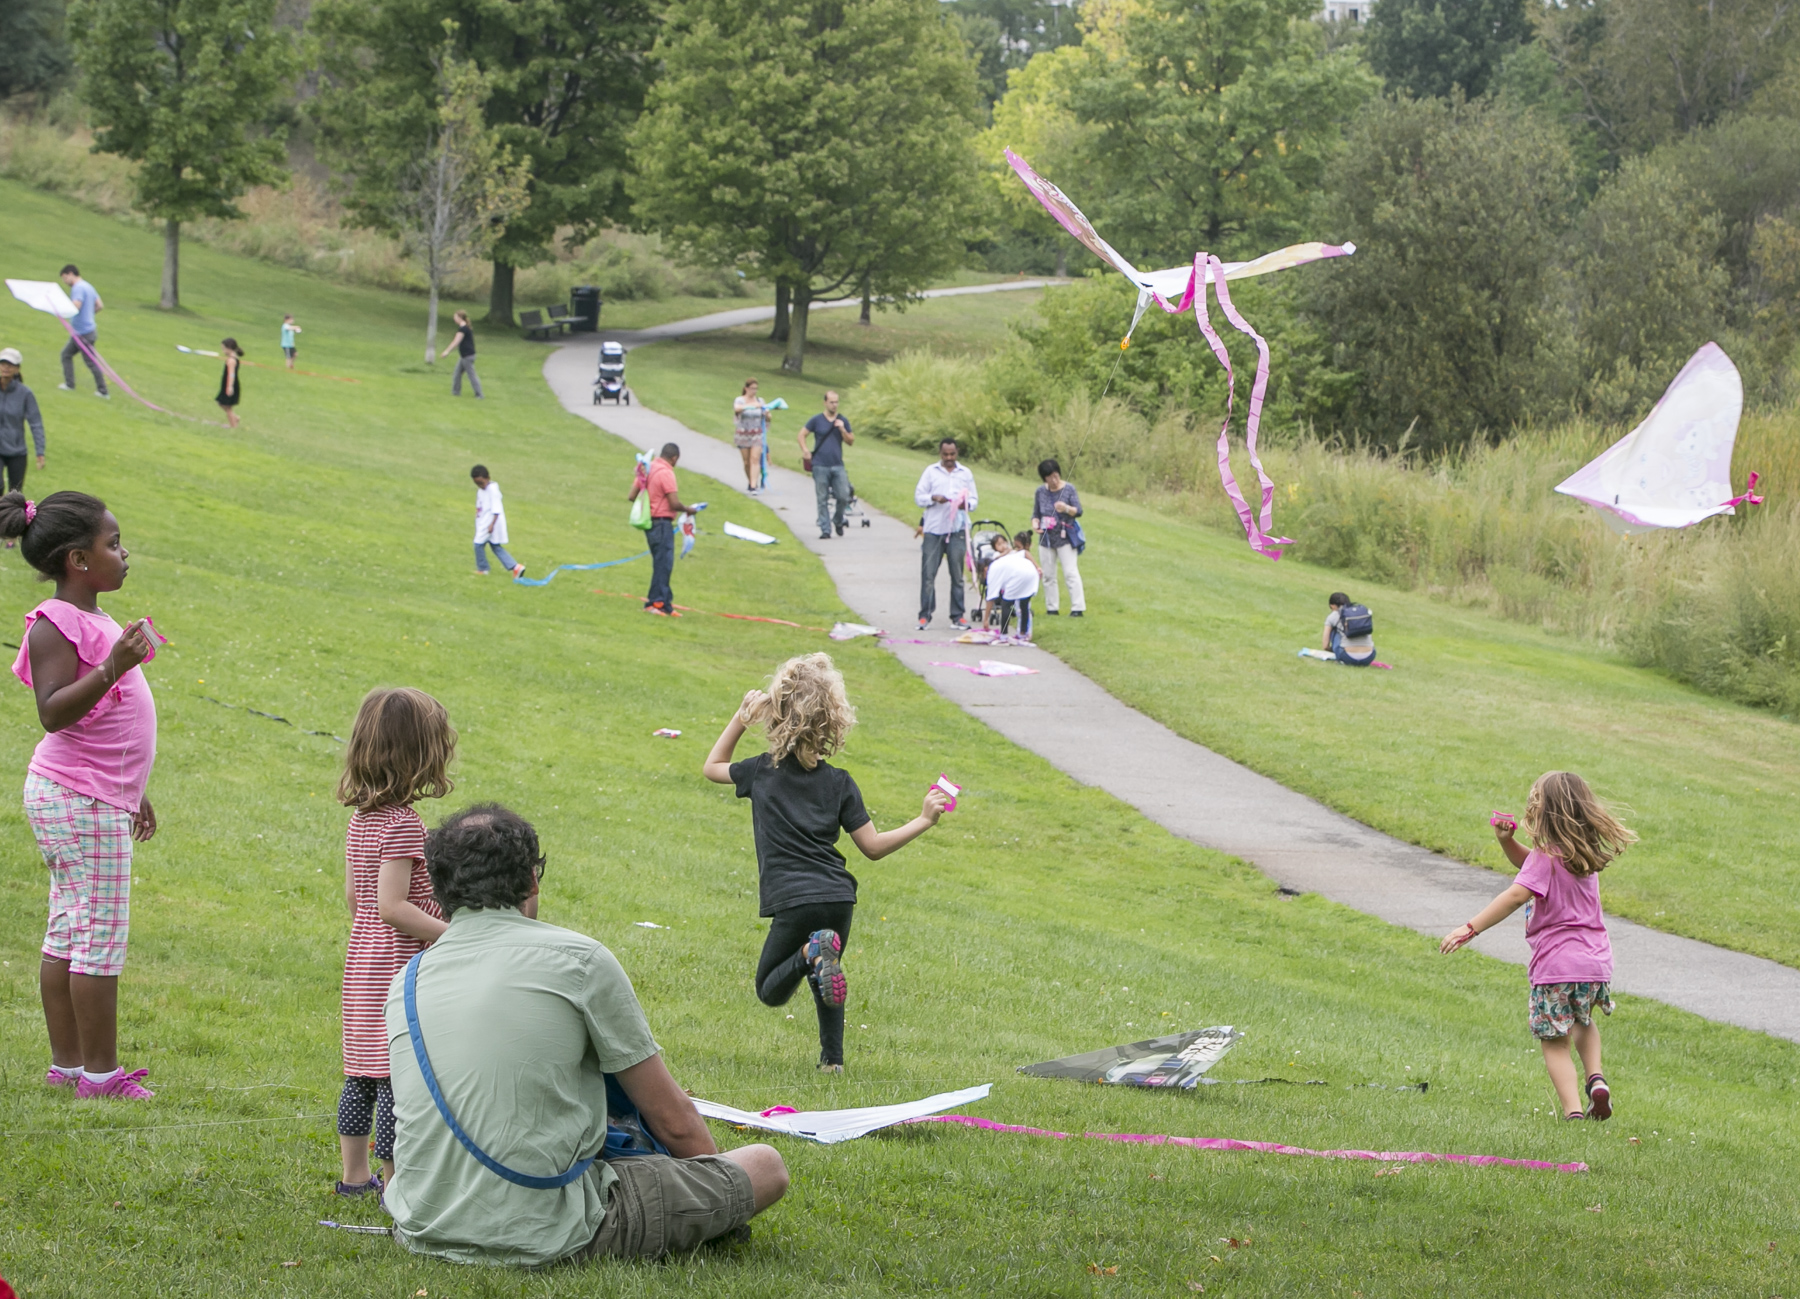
400, 751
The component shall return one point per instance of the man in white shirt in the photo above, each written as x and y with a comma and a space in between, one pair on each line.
1012, 582
490, 525
946, 492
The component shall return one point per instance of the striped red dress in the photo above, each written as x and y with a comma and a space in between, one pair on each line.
378, 951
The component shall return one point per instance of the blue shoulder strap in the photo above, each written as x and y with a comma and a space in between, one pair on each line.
431, 1085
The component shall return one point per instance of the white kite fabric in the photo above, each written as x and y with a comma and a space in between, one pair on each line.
1174, 290
44, 295
1674, 469
828, 1127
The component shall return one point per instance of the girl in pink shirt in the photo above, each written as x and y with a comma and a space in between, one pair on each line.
85, 789
1571, 969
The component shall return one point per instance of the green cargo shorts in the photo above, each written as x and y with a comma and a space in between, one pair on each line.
663, 1206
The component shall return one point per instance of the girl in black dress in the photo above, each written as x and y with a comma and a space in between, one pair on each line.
231, 390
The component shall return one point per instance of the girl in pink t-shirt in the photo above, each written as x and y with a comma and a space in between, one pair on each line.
85, 790
1574, 836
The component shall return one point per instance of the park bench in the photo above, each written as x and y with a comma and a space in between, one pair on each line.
560, 315
535, 326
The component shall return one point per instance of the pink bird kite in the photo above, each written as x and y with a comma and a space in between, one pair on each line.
1175, 290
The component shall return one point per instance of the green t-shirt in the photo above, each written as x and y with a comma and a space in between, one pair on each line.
521, 1020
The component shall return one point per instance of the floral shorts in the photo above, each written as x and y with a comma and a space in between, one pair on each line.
87, 846
1558, 1007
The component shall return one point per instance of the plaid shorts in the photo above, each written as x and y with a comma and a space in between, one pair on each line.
1556, 1008
87, 846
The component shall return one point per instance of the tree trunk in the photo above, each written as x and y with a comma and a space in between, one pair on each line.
1062, 260
431, 324
779, 334
500, 297
171, 282
795, 360
865, 321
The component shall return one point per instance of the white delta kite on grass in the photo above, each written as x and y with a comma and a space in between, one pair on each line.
1175, 290
1674, 469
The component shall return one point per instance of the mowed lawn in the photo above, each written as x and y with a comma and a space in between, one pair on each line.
1189, 625
323, 549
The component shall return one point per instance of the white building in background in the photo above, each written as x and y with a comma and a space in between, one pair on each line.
1347, 11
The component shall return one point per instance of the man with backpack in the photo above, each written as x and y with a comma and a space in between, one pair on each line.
1349, 632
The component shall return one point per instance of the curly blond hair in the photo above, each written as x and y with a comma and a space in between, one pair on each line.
806, 712
401, 746
1566, 820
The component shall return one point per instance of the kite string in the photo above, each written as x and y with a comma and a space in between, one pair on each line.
113, 374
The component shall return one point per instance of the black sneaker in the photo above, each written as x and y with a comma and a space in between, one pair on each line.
1599, 1097
840, 529
1075, 613
822, 949
824, 536
1055, 612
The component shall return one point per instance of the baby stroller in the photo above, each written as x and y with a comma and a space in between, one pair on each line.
982, 534
609, 385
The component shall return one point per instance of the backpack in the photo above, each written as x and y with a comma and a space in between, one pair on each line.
1356, 620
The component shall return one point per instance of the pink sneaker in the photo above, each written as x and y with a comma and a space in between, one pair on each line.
57, 1078
121, 1086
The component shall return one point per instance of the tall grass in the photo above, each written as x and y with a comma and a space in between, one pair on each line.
303, 227
1717, 605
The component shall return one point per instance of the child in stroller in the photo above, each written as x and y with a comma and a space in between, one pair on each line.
609, 384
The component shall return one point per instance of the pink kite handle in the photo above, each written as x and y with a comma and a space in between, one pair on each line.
1506, 819
951, 790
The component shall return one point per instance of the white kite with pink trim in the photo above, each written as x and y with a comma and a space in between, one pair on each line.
1674, 469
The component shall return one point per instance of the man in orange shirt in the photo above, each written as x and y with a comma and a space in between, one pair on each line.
664, 506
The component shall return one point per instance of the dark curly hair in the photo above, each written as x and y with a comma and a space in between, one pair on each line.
485, 857
63, 521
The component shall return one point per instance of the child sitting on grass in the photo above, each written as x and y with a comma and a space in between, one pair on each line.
798, 804
1574, 837
400, 750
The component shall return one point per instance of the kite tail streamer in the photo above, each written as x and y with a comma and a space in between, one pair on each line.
1260, 1147
131, 392
575, 568
1254, 419
1749, 497
1218, 346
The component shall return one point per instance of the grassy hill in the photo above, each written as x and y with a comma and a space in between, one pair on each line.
323, 548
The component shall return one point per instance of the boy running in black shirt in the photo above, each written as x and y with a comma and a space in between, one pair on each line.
798, 805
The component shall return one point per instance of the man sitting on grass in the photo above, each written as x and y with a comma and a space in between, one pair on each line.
518, 1023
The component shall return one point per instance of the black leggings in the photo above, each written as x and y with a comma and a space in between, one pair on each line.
14, 467
365, 1099
783, 965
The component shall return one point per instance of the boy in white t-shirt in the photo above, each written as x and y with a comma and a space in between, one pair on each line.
490, 525
1012, 581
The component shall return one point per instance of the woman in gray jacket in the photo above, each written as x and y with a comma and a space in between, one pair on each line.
18, 407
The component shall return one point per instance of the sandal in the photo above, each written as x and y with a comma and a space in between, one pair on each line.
373, 1184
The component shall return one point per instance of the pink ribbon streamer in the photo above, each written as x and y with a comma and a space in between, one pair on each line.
1256, 527
1749, 497
131, 392
1259, 1147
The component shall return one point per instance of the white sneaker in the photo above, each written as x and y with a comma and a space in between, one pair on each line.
65, 387
104, 396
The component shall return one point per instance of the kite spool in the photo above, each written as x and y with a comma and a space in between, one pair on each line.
951, 790
1504, 820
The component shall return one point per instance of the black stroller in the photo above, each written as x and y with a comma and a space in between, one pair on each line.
609, 384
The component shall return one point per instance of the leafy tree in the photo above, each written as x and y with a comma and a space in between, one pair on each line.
1646, 71
1213, 122
1427, 48
1444, 323
34, 57
454, 195
1006, 34
1037, 120
186, 89
1650, 284
824, 145
566, 79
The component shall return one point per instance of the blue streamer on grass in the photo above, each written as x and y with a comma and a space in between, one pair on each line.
575, 568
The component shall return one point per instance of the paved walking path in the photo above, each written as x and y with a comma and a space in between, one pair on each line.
1182, 786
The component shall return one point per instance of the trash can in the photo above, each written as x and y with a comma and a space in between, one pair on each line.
584, 305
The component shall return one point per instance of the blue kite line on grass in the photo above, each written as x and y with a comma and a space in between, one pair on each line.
575, 568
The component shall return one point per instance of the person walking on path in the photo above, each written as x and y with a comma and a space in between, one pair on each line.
490, 525
799, 803
463, 344
290, 339
1055, 510
518, 1049
750, 424
831, 480
86, 793
87, 302
1574, 836
665, 505
18, 408
946, 491
400, 750
231, 380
